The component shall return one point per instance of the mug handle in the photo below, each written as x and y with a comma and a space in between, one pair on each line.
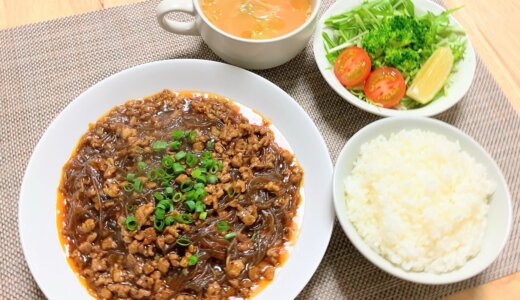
186, 6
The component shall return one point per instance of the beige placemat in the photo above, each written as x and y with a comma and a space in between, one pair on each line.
45, 66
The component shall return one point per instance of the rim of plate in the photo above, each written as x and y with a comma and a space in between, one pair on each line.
42, 249
467, 142
460, 80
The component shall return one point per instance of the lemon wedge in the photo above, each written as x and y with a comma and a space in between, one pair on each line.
432, 76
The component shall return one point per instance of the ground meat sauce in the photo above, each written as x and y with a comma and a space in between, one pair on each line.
139, 220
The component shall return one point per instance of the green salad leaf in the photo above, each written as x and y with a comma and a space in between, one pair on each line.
393, 36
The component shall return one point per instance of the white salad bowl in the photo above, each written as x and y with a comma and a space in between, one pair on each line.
498, 218
460, 81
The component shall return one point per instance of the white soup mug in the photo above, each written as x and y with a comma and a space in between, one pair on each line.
247, 53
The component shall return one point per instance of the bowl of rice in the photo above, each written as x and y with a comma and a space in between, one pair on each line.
422, 200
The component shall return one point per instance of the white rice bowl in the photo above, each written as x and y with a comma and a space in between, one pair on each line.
419, 201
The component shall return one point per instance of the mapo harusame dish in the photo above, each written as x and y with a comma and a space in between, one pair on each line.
178, 196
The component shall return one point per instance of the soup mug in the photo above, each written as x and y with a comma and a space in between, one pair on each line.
254, 54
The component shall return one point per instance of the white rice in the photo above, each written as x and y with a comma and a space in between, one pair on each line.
419, 201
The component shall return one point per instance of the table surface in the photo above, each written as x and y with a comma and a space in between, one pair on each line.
493, 26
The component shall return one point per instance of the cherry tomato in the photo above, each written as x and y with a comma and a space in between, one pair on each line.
385, 86
352, 66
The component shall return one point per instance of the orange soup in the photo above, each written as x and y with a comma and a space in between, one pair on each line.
256, 19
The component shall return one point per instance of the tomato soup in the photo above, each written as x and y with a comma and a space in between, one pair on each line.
256, 19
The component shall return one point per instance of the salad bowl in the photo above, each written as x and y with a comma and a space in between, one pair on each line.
458, 82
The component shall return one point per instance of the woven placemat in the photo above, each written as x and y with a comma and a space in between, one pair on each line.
43, 67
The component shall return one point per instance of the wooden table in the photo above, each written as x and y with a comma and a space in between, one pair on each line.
493, 26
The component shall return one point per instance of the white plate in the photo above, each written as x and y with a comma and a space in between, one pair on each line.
460, 81
499, 216
37, 207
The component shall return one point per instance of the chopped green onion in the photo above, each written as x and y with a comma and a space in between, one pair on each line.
206, 155
167, 161
159, 146
168, 190
219, 165
230, 191
175, 145
186, 185
154, 174
158, 196
128, 187
183, 241
178, 168
141, 166
200, 207
208, 163
213, 169
180, 155
191, 159
169, 220
230, 235
202, 179
177, 134
210, 145
192, 260
138, 185
184, 218
190, 195
131, 223
198, 186
255, 234
212, 178
177, 197
130, 176
159, 214
130, 208
222, 225
165, 204
197, 172
200, 193
203, 215
158, 224
190, 205
192, 136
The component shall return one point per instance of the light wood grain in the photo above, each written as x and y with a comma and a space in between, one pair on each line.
19, 12
494, 30
493, 26
507, 288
